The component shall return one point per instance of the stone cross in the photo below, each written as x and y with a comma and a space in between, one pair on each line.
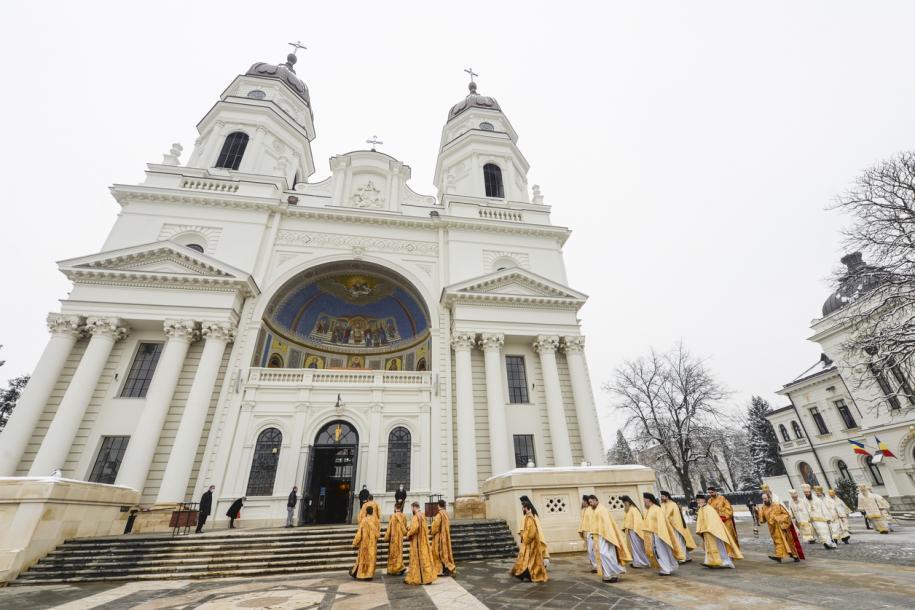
471, 73
374, 141
296, 46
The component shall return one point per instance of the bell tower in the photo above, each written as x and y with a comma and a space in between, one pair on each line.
262, 125
478, 155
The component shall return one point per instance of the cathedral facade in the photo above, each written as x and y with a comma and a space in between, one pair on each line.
245, 328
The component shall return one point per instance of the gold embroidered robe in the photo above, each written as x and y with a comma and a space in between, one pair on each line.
779, 521
710, 527
441, 543
672, 511
366, 541
655, 522
394, 535
724, 509
532, 551
420, 571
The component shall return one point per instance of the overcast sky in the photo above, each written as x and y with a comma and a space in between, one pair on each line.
692, 147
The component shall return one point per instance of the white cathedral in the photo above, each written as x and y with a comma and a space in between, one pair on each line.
245, 328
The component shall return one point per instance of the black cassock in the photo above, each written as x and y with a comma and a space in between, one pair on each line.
400, 495
363, 496
206, 503
235, 509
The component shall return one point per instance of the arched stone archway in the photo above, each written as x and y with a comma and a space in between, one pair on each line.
330, 477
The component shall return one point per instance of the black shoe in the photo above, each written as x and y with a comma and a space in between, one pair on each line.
797, 559
774, 558
811, 542
845, 540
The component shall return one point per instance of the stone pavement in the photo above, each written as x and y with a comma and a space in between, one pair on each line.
872, 571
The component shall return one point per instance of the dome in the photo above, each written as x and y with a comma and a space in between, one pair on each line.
853, 284
473, 100
284, 72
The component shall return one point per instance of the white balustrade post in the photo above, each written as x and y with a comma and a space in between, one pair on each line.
57, 441
588, 425
65, 330
556, 416
142, 445
466, 426
181, 461
499, 447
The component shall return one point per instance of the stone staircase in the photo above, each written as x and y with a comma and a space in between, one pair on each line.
243, 553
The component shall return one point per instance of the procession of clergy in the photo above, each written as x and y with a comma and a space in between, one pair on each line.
656, 537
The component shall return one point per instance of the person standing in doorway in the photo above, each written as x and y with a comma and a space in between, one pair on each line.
291, 503
206, 507
234, 511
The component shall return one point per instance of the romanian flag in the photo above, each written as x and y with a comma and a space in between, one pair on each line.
883, 448
859, 447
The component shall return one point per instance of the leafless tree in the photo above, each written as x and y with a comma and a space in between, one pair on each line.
880, 292
671, 402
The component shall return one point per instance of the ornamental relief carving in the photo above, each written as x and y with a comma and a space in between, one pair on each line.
463, 341
367, 197
573, 344
211, 234
288, 237
492, 341
65, 325
106, 326
546, 344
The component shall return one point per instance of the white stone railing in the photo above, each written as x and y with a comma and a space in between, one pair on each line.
323, 377
499, 214
209, 185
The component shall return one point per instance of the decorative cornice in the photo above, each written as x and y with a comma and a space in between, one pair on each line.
59, 324
573, 344
289, 237
106, 327
462, 341
182, 330
218, 331
546, 344
492, 341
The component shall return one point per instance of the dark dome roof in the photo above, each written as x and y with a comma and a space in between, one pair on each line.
473, 100
284, 72
853, 284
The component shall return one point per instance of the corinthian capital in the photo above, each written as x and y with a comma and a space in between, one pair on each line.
546, 344
573, 344
59, 324
218, 331
462, 341
106, 327
492, 341
181, 329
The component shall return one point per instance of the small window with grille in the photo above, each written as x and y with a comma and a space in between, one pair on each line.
524, 450
141, 371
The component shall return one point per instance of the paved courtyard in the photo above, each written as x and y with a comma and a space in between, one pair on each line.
873, 571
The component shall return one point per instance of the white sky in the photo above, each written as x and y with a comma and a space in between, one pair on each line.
691, 147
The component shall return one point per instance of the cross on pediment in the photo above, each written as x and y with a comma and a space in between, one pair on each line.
374, 141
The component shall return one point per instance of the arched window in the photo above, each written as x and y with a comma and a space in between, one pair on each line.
492, 178
263, 466
797, 430
398, 458
784, 432
806, 473
196, 247
842, 467
874, 469
233, 149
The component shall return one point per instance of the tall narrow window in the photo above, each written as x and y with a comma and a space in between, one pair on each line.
903, 382
797, 430
806, 473
847, 418
784, 432
492, 179
263, 466
874, 469
517, 380
524, 450
818, 420
142, 370
842, 467
108, 460
398, 458
885, 387
233, 149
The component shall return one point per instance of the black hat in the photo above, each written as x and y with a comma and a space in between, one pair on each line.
700, 496
650, 496
593, 497
524, 499
585, 497
712, 488
665, 493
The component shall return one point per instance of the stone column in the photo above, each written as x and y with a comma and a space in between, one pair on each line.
546, 345
467, 484
499, 447
373, 475
57, 441
421, 480
187, 440
142, 446
65, 330
588, 426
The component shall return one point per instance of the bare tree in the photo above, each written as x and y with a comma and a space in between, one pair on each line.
671, 402
878, 297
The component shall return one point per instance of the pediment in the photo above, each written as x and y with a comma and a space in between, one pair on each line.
514, 284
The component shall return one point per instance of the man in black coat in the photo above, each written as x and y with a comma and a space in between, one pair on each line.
400, 496
206, 507
363, 496
234, 511
290, 506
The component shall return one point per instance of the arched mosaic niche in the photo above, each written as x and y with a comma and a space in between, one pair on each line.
346, 315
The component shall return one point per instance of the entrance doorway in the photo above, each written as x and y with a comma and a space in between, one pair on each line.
330, 478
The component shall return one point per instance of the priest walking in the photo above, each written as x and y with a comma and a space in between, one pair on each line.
442, 558
840, 513
584, 530
720, 546
366, 541
530, 562
800, 510
609, 541
784, 537
394, 535
660, 538
673, 513
420, 570
632, 528
724, 509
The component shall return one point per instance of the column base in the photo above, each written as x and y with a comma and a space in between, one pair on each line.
469, 507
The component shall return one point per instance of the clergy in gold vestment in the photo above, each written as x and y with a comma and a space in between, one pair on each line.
420, 570
375, 514
529, 565
366, 541
394, 535
781, 530
724, 509
584, 530
632, 529
867, 504
672, 511
660, 538
720, 547
611, 546
442, 558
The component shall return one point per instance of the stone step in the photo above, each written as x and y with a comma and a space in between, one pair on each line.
254, 553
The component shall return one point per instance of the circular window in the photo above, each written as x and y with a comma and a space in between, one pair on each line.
257, 94
196, 247
486, 126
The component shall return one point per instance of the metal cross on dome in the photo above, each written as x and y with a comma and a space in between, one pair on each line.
471, 73
296, 46
374, 141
